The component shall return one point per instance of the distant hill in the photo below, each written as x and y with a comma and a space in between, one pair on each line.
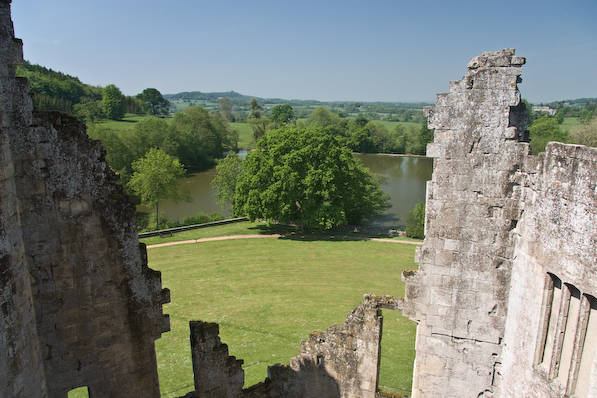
241, 99
579, 102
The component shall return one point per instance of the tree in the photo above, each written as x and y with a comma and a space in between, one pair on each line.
308, 177
544, 130
585, 134
225, 108
415, 223
113, 102
282, 114
157, 105
259, 126
155, 178
89, 110
228, 171
202, 137
118, 155
254, 109
151, 132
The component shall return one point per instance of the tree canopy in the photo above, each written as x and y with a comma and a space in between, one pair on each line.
228, 171
155, 178
282, 114
415, 223
585, 133
157, 105
544, 130
308, 177
113, 102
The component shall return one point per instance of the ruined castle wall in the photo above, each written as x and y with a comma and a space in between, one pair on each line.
21, 365
80, 306
505, 292
556, 237
459, 294
342, 362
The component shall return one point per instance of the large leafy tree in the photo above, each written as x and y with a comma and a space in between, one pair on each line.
228, 171
157, 105
113, 102
282, 114
202, 137
308, 177
225, 108
155, 177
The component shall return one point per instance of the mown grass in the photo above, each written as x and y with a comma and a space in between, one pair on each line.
569, 122
261, 227
269, 294
392, 125
245, 135
126, 123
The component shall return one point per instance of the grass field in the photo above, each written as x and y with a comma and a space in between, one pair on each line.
569, 122
392, 125
250, 228
245, 135
127, 122
269, 294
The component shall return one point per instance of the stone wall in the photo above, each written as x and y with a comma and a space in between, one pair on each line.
505, 296
342, 362
498, 221
555, 236
79, 305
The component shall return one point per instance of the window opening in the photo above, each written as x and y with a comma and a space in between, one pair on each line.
569, 334
398, 343
587, 348
551, 309
80, 392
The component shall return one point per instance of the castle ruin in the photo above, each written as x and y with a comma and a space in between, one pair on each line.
504, 298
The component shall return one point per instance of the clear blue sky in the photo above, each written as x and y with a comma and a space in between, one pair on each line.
387, 50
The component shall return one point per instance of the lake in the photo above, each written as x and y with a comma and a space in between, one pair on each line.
403, 178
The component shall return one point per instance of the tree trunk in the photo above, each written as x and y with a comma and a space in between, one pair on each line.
157, 217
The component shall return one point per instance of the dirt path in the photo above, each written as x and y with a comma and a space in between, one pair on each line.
257, 236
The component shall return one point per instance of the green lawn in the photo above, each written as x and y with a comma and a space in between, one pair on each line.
245, 135
240, 228
392, 125
569, 122
269, 294
250, 228
127, 122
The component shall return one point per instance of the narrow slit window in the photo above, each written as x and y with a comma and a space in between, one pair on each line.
569, 330
551, 312
397, 353
586, 379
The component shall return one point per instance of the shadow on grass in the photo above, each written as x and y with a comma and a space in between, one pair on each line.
291, 232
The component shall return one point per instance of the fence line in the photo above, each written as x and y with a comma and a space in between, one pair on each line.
170, 231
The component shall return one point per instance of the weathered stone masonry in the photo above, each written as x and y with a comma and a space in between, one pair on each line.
505, 296
498, 221
79, 306
340, 362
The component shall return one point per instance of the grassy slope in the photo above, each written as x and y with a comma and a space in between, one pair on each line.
569, 122
245, 135
391, 125
268, 295
124, 124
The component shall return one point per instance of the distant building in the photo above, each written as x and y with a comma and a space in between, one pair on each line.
544, 109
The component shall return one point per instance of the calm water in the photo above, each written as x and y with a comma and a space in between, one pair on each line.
403, 178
